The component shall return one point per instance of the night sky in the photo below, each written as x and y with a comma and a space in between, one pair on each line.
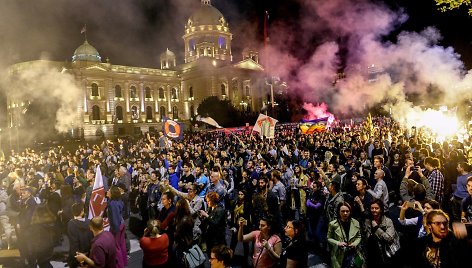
135, 32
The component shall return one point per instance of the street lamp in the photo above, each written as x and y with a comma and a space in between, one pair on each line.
273, 81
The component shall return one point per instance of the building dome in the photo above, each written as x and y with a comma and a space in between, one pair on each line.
86, 52
167, 59
167, 55
207, 15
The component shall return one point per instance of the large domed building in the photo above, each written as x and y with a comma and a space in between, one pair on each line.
119, 100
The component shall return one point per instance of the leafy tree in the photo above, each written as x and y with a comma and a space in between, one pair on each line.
221, 110
445, 5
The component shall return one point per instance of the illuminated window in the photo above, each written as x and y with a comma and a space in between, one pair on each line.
134, 113
133, 92
148, 113
118, 92
161, 93
222, 42
148, 92
95, 112
94, 90
162, 111
119, 113
223, 89
175, 112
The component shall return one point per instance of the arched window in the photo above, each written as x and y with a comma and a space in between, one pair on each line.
133, 92
174, 93
147, 92
247, 90
161, 93
134, 113
175, 112
119, 113
95, 112
148, 113
94, 90
190, 92
118, 92
223, 89
162, 111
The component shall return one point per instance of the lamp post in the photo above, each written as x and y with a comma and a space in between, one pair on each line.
272, 82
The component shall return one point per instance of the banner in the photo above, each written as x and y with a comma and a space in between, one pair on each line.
265, 126
173, 129
312, 126
98, 201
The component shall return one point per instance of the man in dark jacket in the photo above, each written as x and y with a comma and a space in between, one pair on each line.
80, 236
24, 229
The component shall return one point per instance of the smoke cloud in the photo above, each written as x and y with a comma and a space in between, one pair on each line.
377, 69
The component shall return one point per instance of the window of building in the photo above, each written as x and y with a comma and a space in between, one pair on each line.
148, 94
94, 90
119, 113
175, 112
162, 111
222, 42
174, 93
223, 89
133, 92
161, 93
134, 113
247, 90
118, 92
192, 110
95, 112
202, 51
192, 44
148, 113
190, 92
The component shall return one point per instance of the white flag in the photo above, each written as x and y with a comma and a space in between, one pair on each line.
210, 121
265, 126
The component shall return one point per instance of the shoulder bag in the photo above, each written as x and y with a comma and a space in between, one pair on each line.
194, 257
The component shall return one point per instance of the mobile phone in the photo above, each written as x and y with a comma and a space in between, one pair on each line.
411, 204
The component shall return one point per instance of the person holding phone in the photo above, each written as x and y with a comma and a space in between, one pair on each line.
427, 206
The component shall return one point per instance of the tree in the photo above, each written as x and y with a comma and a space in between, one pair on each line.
221, 110
445, 5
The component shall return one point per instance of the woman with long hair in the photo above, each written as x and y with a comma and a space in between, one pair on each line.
155, 246
267, 244
379, 234
183, 235
240, 208
295, 253
344, 237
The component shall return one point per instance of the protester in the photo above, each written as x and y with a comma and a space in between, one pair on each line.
102, 251
155, 246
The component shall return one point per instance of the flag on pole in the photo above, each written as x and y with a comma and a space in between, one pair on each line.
210, 121
312, 126
173, 129
98, 202
265, 126
84, 29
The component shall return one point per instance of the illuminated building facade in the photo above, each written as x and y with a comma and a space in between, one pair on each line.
120, 100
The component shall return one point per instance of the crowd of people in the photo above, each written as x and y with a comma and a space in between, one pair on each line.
356, 198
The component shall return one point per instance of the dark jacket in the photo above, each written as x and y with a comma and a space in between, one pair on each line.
451, 252
80, 238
